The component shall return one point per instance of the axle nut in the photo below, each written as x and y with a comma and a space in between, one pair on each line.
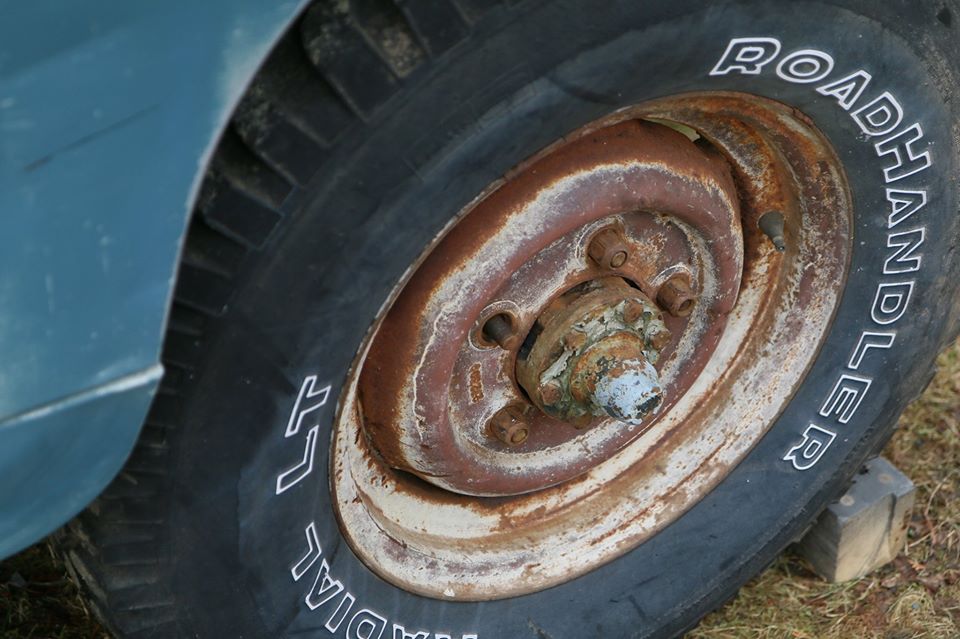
613, 375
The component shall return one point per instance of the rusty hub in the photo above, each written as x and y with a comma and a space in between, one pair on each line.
593, 354
585, 353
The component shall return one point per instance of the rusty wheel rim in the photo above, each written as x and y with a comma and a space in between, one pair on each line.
464, 467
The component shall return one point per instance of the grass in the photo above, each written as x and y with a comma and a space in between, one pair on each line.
38, 600
917, 596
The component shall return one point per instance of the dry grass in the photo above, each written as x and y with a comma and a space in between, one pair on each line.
917, 596
39, 601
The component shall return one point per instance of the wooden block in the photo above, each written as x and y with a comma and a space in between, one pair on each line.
864, 529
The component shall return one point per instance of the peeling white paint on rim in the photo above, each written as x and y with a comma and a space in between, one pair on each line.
466, 548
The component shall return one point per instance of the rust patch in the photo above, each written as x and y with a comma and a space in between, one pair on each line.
476, 384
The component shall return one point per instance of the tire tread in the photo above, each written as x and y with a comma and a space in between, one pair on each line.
329, 74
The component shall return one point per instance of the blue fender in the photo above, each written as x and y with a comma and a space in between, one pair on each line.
109, 111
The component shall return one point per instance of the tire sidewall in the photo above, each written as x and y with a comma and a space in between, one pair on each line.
303, 308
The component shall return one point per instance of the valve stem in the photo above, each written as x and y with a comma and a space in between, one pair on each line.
771, 223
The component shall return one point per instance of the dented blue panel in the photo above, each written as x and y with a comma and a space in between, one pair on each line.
108, 113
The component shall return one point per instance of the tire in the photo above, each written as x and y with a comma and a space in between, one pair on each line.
327, 186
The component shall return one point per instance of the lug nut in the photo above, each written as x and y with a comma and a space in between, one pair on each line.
509, 425
676, 296
608, 249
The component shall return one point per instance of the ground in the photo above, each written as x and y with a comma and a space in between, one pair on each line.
917, 596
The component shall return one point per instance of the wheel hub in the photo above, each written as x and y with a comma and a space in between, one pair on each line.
587, 350
594, 355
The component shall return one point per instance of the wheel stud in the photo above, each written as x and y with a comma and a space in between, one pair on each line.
676, 296
608, 249
509, 425
500, 329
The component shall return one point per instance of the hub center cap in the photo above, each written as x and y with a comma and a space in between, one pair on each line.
594, 355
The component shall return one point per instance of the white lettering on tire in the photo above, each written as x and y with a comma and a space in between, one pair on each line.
305, 408
903, 149
747, 55
805, 66
811, 448
329, 598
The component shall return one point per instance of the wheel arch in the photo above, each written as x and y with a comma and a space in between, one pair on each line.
111, 113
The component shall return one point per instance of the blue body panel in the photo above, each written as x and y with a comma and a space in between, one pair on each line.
108, 114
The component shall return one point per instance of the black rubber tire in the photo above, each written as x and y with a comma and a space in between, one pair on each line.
344, 160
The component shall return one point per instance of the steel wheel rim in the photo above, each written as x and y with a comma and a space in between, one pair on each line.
442, 544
